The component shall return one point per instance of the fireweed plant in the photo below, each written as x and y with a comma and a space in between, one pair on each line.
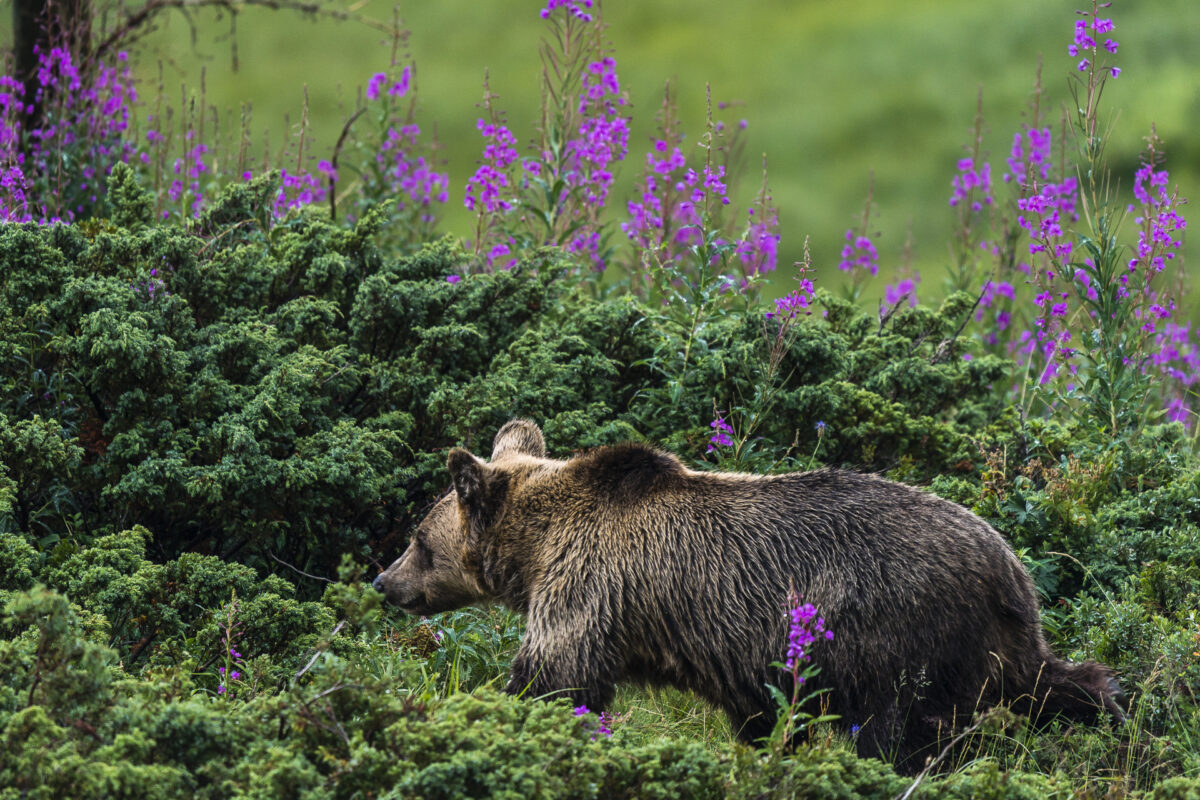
691, 266
232, 667
600, 725
554, 195
57, 168
1086, 313
805, 630
778, 335
860, 257
393, 161
1074, 282
556, 191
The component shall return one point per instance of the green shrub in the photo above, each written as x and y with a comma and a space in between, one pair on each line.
285, 392
821, 770
184, 470
1176, 789
985, 781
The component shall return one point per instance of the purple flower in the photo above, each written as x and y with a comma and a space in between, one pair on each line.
83, 132
651, 220
1178, 411
297, 190
803, 631
411, 178
795, 302
1159, 238
1158, 181
758, 249
602, 138
992, 292
1029, 159
1084, 42
1043, 215
13, 207
400, 87
968, 180
598, 728
375, 84
904, 289
574, 8
859, 251
487, 188
587, 242
453, 278
1082, 38
720, 437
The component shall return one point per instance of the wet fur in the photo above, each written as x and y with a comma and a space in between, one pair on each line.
632, 567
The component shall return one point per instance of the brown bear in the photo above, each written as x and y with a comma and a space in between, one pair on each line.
630, 566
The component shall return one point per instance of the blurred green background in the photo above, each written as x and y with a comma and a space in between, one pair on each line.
832, 91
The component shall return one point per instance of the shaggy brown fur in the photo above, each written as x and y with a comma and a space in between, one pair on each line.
632, 567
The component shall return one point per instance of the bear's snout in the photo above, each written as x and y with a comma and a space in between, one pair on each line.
408, 598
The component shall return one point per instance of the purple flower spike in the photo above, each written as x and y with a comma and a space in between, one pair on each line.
904, 289
859, 251
375, 84
1084, 43
804, 628
720, 437
488, 187
573, 7
968, 180
400, 87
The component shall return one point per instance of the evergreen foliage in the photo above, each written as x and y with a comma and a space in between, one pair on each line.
200, 426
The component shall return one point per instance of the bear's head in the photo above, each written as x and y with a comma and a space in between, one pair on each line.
439, 570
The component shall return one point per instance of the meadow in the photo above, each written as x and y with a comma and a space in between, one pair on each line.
230, 381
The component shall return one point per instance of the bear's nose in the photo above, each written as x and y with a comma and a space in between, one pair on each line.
377, 584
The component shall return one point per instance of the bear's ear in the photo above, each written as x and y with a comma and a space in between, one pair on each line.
466, 473
519, 436
470, 478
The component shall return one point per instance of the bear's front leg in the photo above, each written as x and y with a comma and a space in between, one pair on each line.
562, 668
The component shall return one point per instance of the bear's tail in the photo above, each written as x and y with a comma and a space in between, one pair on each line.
1078, 692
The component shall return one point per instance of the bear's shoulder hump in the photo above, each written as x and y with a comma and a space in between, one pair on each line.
626, 471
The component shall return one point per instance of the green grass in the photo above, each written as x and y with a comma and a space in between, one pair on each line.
646, 713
